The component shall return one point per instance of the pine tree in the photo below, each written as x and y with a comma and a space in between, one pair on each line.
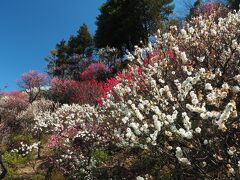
124, 23
66, 59
84, 41
234, 4
193, 9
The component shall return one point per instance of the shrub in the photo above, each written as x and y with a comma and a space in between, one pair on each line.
15, 100
76, 133
83, 92
11, 104
70, 91
184, 109
97, 71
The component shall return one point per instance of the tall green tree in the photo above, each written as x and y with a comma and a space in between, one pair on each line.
192, 10
81, 43
57, 59
123, 23
68, 58
234, 4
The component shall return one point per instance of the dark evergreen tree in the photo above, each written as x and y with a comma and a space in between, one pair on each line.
234, 4
193, 9
85, 41
82, 43
124, 23
57, 59
67, 60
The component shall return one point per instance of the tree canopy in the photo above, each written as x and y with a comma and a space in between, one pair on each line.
234, 4
123, 23
193, 8
80, 44
67, 58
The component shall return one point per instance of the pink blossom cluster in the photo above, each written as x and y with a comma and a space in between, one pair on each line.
14, 100
83, 92
94, 70
32, 79
211, 7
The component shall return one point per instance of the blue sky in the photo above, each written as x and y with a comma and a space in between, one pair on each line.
29, 29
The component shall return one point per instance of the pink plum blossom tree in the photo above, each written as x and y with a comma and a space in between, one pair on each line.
32, 82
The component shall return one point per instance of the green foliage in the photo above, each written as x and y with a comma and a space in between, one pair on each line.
38, 176
116, 173
166, 177
16, 139
13, 159
171, 22
149, 164
124, 23
100, 155
193, 9
11, 174
62, 62
23, 137
57, 175
80, 44
234, 4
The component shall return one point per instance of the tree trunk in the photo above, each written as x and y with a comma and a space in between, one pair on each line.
39, 146
3, 169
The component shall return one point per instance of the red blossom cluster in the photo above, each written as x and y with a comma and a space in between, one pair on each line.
95, 71
81, 92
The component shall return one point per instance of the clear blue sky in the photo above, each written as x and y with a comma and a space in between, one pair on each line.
29, 29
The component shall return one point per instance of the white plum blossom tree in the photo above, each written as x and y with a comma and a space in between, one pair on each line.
184, 105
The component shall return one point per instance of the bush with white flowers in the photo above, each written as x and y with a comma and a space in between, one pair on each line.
184, 107
76, 131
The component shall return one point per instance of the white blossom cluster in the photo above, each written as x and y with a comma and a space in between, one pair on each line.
189, 103
140, 53
25, 149
33, 109
109, 54
77, 129
182, 105
66, 115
